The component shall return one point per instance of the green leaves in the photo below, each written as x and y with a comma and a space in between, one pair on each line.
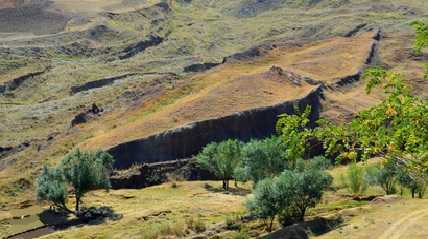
421, 40
83, 171
222, 159
399, 123
51, 186
264, 158
294, 133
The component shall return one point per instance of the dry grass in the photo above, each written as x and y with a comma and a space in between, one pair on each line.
241, 86
160, 210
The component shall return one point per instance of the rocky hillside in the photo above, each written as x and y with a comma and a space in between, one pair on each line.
101, 74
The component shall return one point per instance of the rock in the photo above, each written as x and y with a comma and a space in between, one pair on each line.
140, 46
385, 199
84, 117
200, 67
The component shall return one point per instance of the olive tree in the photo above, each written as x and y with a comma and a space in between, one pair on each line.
222, 159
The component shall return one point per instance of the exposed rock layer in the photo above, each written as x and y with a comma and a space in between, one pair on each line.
188, 140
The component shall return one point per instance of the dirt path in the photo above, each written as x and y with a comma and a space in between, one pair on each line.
399, 228
403, 218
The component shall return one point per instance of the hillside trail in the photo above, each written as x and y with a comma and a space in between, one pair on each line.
399, 228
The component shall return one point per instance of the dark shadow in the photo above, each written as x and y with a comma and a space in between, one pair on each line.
52, 218
98, 215
316, 226
232, 190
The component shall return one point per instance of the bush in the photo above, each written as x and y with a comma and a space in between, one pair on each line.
196, 225
387, 177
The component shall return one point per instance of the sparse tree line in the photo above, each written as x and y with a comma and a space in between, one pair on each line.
287, 182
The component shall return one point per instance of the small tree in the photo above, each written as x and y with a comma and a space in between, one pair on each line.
86, 171
51, 187
264, 204
82, 171
290, 194
222, 159
302, 189
388, 177
412, 172
295, 133
263, 158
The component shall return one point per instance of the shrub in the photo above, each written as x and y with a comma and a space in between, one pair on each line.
387, 177
221, 159
355, 179
196, 225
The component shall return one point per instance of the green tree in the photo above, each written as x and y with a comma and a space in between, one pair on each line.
295, 133
86, 171
222, 159
263, 158
412, 172
290, 194
82, 171
397, 124
51, 186
264, 204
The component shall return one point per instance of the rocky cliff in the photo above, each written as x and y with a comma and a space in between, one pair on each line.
188, 140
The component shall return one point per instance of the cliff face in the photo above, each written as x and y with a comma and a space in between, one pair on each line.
188, 140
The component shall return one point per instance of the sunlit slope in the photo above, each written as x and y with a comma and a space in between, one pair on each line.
242, 85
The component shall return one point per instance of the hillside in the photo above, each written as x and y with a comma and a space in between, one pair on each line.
153, 80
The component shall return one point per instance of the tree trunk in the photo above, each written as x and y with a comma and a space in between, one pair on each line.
413, 193
236, 183
224, 185
77, 204
227, 185
302, 214
271, 224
